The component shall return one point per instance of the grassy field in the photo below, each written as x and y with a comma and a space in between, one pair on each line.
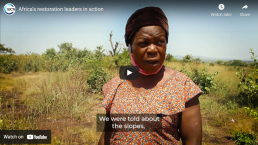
62, 102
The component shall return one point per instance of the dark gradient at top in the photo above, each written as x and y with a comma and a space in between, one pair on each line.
118, 4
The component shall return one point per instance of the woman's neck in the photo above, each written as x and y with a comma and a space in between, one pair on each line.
152, 78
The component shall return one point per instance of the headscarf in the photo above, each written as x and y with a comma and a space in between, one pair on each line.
144, 17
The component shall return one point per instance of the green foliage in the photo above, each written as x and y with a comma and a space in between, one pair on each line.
244, 138
188, 58
96, 69
124, 58
4, 50
95, 63
237, 63
183, 69
30, 62
99, 53
197, 60
97, 77
202, 78
8, 63
231, 105
51, 53
249, 88
219, 62
251, 112
65, 47
92, 62
170, 58
210, 64
226, 63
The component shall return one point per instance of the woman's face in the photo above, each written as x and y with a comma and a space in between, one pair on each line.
149, 48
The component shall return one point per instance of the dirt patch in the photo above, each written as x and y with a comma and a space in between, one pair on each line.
61, 128
215, 135
222, 140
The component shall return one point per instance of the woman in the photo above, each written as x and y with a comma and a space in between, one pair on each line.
159, 89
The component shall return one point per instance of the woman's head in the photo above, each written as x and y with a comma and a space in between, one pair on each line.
147, 36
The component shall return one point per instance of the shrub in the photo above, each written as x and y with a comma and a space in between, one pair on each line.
210, 64
251, 112
170, 58
249, 86
98, 73
244, 138
97, 77
188, 58
124, 58
8, 63
219, 62
202, 78
238, 63
51, 60
197, 60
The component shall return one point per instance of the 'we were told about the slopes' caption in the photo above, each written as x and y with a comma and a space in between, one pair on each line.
130, 122
65, 9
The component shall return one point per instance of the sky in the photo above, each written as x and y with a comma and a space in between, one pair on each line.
192, 29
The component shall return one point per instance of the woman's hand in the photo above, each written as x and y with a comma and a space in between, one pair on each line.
191, 123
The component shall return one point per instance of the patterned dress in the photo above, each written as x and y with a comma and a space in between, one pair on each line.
167, 99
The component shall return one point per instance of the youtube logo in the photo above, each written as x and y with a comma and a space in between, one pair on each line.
129, 72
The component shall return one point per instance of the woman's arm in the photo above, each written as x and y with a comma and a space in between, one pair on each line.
106, 134
191, 123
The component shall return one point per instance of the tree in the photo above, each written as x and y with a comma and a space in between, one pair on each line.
237, 63
84, 53
219, 62
197, 60
188, 58
99, 53
248, 84
169, 57
115, 50
65, 47
227, 63
4, 50
51, 53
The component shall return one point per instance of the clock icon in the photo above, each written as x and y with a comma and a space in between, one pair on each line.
221, 6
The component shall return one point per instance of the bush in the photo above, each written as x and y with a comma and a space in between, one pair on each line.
244, 138
124, 58
97, 78
170, 58
210, 64
188, 58
202, 78
251, 112
8, 63
97, 72
249, 87
219, 62
238, 63
50, 61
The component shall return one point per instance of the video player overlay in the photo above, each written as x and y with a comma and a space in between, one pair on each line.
129, 72
25, 136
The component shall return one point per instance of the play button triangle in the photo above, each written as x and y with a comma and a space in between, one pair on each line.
128, 72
